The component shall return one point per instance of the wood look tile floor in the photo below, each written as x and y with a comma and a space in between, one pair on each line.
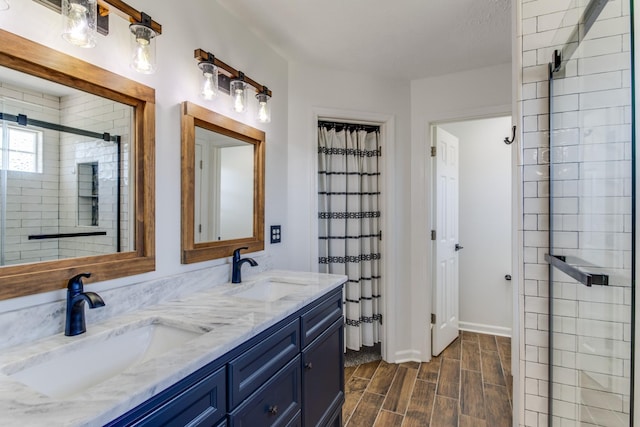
468, 385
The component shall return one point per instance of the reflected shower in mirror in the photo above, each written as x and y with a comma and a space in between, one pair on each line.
223, 187
64, 175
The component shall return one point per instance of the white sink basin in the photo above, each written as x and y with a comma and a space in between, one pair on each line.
82, 364
269, 290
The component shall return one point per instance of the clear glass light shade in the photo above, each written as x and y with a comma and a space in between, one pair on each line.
143, 49
209, 80
239, 93
264, 108
5, 5
80, 22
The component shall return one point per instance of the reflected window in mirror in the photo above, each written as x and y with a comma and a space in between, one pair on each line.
76, 170
222, 185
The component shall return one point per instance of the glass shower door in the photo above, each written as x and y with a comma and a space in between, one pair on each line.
591, 220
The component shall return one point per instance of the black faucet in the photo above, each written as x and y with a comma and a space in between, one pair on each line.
237, 264
75, 324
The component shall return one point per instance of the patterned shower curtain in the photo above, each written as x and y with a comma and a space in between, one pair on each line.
349, 222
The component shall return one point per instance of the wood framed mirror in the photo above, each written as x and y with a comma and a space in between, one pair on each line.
222, 185
77, 168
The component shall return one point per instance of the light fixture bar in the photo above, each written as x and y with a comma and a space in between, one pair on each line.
128, 12
202, 55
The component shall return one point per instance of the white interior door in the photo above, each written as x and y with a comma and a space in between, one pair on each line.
445, 291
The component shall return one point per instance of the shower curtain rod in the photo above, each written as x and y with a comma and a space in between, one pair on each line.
350, 126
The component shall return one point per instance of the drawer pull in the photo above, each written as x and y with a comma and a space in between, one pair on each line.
273, 410
308, 365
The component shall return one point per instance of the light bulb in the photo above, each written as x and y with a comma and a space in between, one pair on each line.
264, 109
238, 101
239, 96
209, 80
79, 22
143, 59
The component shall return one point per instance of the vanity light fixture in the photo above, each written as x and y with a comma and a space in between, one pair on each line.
264, 108
239, 93
143, 45
80, 22
209, 78
82, 19
229, 80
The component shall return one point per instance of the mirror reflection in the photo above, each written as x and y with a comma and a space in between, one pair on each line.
64, 172
223, 187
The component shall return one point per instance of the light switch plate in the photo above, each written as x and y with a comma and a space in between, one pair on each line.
276, 235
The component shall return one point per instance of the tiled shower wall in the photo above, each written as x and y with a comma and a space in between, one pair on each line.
47, 202
32, 206
599, 313
99, 115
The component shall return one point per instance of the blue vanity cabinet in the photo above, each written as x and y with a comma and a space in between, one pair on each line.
290, 375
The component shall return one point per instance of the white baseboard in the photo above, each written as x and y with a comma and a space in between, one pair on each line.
406, 356
485, 329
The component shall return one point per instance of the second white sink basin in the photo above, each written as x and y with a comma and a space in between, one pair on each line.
269, 290
83, 364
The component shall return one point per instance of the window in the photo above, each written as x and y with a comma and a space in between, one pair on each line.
24, 151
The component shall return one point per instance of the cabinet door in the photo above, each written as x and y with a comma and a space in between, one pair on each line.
323, 376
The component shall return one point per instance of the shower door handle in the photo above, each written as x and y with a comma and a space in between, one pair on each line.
458, 247
587, 279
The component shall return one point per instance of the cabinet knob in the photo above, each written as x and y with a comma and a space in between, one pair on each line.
273, 410
308, 365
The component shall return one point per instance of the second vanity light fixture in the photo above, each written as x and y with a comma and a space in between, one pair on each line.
233, 81
83, 19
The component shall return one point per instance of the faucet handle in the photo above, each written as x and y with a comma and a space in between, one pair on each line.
236, 253
75, 283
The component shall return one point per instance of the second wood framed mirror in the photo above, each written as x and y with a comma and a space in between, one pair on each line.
222, 185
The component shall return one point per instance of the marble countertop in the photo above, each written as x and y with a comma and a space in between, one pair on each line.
229, 319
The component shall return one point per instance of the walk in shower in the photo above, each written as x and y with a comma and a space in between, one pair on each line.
64, 176
592, 217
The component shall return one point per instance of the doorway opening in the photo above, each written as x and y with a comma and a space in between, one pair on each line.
471, 229
349, 226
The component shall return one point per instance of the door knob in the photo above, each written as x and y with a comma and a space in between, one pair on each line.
458, 247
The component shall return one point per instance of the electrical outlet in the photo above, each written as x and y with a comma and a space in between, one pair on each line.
276, 235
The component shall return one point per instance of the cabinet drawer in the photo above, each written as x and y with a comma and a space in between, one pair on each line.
276, 403
319, 318
202, 404
262, 361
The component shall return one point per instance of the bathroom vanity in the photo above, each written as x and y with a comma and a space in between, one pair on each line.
268, 351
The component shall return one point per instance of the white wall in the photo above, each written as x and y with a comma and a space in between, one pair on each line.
484, 224
314, 91
465, 95
199, 24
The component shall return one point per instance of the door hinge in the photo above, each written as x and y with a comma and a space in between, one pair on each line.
433, 318
199, 228
433, 234
380, 235
200, 164
433, 151
380, 318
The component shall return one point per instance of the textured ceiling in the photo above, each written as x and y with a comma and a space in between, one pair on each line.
397, 38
